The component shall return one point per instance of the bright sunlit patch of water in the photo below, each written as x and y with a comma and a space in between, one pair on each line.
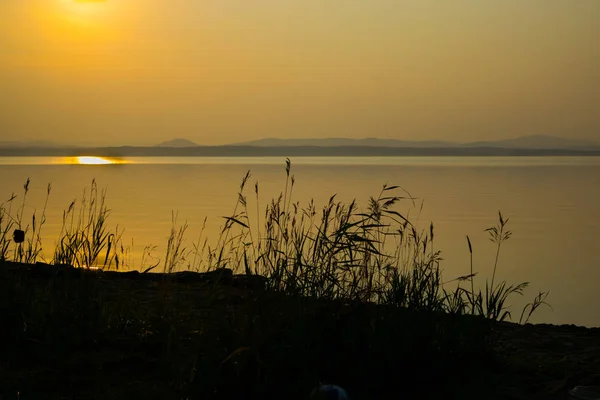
90, 160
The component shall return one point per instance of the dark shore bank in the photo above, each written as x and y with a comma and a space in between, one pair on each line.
73, 333
288, 151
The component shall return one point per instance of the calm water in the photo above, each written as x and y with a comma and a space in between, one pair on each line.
553, 205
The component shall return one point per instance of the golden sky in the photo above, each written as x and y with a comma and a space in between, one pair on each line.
139, 72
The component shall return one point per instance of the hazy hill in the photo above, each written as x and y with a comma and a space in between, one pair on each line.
177, 143
527, 145
344, 142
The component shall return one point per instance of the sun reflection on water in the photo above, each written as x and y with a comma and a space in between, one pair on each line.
95, 160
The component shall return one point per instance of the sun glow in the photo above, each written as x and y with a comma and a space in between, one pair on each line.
84, 9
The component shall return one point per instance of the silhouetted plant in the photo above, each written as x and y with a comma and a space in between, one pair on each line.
7, 223
530, 308
376, 255
492, 301
85, 236
176, 252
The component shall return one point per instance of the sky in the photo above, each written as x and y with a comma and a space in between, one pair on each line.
139, 72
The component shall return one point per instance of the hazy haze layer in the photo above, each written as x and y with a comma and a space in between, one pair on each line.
139, 72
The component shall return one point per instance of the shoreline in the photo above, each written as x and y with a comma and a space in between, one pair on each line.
288, 151
224, 276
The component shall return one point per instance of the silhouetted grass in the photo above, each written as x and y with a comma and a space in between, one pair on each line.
84, 235
352, 296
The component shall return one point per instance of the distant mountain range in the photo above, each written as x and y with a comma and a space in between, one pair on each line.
524, 146
343, 142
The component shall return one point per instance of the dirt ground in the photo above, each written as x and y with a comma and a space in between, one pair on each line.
537, 361
546, 361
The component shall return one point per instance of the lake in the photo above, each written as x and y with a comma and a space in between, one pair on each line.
552, 203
